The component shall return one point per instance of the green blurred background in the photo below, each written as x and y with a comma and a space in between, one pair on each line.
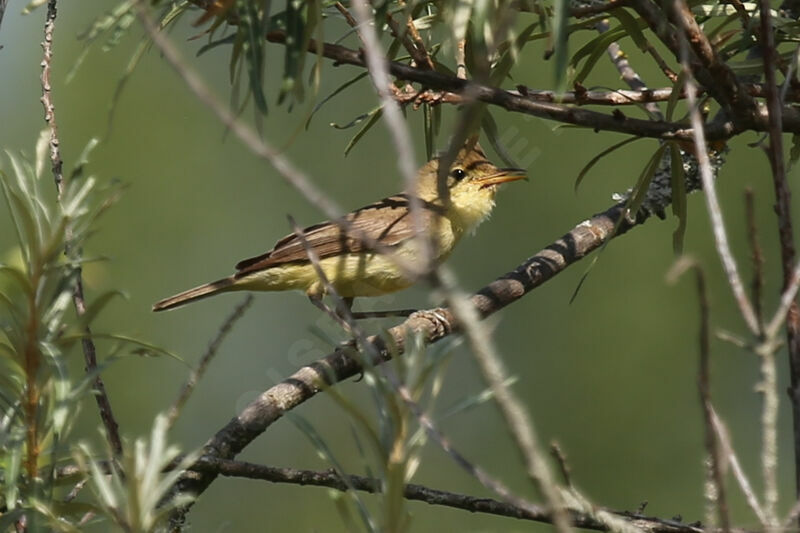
611, 376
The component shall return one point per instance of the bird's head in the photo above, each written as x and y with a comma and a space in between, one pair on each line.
471, 183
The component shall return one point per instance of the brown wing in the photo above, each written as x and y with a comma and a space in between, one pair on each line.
393, 226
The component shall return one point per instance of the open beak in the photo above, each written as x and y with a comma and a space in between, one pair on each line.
504, 175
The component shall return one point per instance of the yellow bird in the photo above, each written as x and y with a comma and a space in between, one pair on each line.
351, 266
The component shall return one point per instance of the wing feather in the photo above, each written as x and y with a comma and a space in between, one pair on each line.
328, 239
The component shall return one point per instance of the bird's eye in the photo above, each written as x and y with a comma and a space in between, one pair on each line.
459, 174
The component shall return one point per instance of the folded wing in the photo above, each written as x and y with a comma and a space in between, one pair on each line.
389, 227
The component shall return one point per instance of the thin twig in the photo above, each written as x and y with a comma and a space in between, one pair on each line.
349, 324
410, 39
724, 440
783, 202
769, 433
516, 416
416, 38
561, 460
197, 373
716, 493
757, 256
712, 201
461, 59
398, 129
626, 72
89, 348
786, 304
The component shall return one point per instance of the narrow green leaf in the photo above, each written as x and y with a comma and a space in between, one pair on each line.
632, 27
338, 90
250, 26
83, 159
585, 170
489, 127
597, 52
794, 153
643, 183
511, 55
327, 454
674, 97
561, 52
678, 184
376, 115
97, 305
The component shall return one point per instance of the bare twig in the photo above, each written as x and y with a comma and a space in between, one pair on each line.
757, 256
197, 374
626, 72
561, 459
715, 493
516, 416
89, 348
712, 202
786, 234
376, 64
411, 41
738, 472
416, 38
769, 433
786, 304
461, 59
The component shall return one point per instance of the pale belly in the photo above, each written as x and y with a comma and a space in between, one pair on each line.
352, 275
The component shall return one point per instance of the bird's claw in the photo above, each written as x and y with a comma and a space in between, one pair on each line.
438, 318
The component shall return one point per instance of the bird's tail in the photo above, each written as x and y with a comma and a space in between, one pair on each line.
203, 291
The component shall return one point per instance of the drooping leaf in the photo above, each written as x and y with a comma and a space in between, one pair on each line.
489, 127
595, 50
632, 27
643, 183
678, 184
375, 115
251, 28
592, 162
675, 96
794, 153
560, 34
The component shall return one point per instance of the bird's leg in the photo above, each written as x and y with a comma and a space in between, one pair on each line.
334, 314
358, 315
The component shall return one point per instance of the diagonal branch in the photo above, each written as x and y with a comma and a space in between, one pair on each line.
331, 479
304, 384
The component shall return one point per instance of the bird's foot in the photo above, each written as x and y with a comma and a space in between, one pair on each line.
437, 317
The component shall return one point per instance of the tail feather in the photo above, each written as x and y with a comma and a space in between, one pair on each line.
198, 293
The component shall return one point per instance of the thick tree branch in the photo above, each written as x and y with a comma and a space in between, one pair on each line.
515, 101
